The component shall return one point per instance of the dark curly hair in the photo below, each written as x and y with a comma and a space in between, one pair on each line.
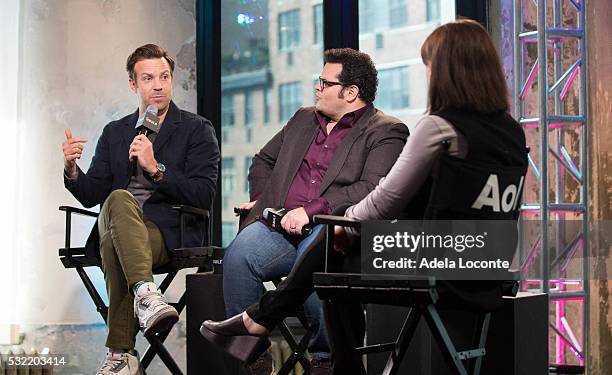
357, 69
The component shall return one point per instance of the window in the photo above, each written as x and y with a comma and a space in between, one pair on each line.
247, 164
433, 10
228, 232
388, 36
393, 89
366, 16
317, 11
248, 107
258, 40
248, 116
228, 179
290, 99
289, 30
227, 116
227, 110
398, 14
267, 99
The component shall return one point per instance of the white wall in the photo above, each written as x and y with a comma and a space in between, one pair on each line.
9, 33
72, 74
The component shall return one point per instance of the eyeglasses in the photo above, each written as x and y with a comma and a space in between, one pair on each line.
325, 83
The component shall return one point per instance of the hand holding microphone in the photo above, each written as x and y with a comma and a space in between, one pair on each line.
141, 152
294, 222
141, 149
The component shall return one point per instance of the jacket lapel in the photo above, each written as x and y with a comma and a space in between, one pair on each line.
344, 147
167, 128
129, 131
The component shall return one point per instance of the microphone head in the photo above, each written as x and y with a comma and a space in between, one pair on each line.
149, 120
152, 109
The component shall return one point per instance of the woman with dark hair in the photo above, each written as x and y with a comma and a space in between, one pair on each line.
467, 119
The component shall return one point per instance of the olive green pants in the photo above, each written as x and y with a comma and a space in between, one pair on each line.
130, 246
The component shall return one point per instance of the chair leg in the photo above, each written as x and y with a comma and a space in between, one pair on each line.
341, 336
403, 341
298, 349
167, 281
93, 293
480, 342
441, 336
157, 348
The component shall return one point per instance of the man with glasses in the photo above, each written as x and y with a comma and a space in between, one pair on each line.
326, 158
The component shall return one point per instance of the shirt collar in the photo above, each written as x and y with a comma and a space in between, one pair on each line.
348, 120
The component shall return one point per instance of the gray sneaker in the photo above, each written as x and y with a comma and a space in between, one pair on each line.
120, 364
153, 313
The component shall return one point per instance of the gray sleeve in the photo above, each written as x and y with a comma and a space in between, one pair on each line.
410, 170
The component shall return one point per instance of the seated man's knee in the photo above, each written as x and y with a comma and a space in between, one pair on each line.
119, 195
235, 257
119, 198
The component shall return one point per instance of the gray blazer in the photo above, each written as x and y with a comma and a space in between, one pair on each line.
363, 157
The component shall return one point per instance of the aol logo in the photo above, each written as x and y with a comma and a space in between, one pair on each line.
489, 196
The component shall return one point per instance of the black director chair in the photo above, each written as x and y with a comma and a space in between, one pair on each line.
182, 257
297, 345
421, 293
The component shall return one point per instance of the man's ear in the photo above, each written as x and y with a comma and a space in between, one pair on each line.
351, 93
133, 85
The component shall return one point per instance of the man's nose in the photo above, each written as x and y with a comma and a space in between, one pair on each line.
157, 86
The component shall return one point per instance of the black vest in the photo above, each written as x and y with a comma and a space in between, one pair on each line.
486, 185
473, 187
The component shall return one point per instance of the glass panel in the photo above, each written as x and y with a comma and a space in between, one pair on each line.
433, 10
228, 179
289, 30
396, 94
248, 107
267, 103
265, 79
318, 23
289, 98
392, 32
247, 165
397, 13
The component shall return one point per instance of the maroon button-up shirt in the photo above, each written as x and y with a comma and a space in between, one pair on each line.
304, 190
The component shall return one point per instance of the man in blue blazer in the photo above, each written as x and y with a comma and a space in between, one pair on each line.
137, 179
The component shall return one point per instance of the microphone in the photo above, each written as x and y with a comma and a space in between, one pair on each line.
273, 217
147, 123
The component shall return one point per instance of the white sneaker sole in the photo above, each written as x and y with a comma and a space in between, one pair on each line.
161, 322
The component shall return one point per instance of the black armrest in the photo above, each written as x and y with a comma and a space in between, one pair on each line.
330, 221
241, 211
337, 220
69, 210
80, 211
191, 210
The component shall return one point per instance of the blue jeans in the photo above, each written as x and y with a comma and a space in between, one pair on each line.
259, 254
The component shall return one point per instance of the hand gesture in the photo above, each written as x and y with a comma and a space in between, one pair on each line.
73, 149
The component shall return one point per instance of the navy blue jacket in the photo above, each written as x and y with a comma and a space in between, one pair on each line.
186, 145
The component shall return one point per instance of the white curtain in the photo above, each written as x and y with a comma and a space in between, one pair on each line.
9, 66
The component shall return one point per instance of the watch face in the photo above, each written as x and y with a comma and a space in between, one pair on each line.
161, 167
